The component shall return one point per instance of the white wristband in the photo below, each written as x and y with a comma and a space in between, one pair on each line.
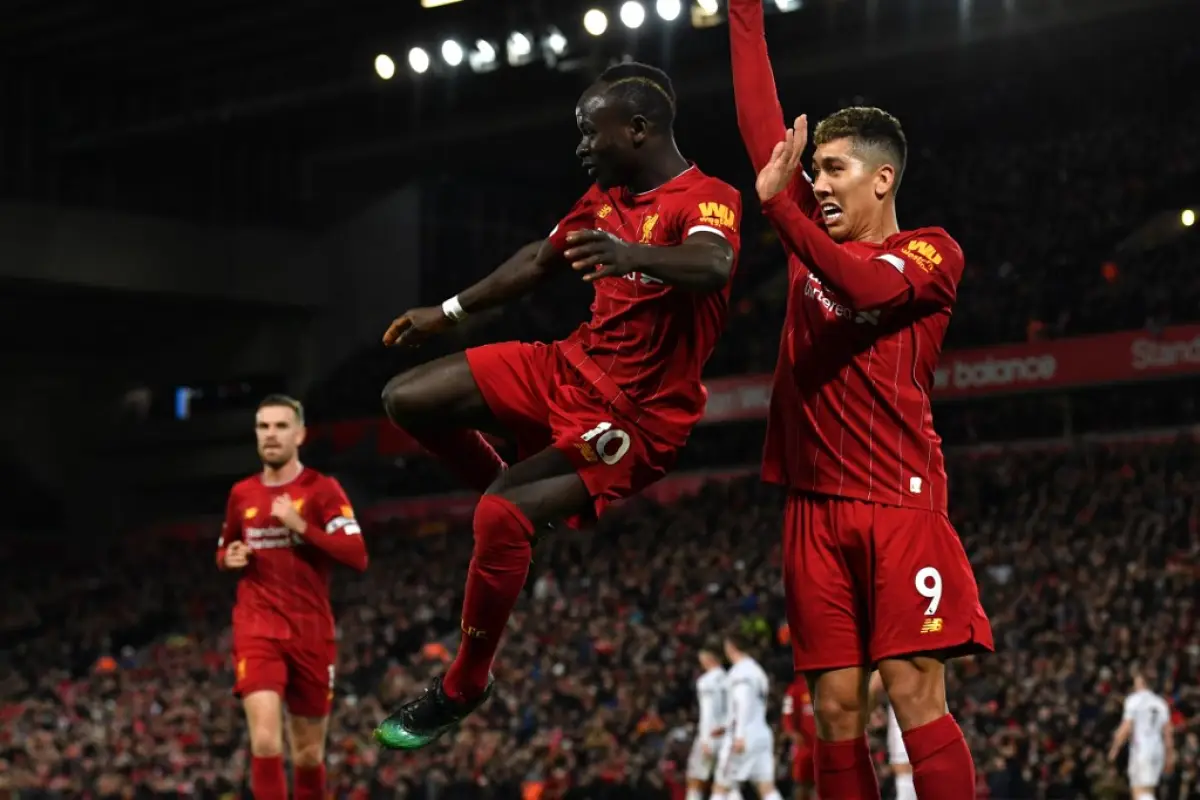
454, 310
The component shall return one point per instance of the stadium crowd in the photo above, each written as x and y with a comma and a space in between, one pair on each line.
116, 677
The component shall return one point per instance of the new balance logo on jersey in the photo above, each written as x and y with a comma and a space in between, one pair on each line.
933, 625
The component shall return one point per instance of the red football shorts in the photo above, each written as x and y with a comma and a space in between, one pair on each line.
301, 671
865, 582
545, 402
804, 769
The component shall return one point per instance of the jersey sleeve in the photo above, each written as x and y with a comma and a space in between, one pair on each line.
231, 527
339, 536
706, 697
580, 217
921, 270
1164, 713
741, 696
1130, 710
931, 263
759, 115
712, 207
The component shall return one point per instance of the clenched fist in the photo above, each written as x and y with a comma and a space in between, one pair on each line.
415, 326
237, 555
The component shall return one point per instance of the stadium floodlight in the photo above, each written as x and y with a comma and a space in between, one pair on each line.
437, 3
669, 9
452, 52
707, 7
788, 5
633, 14
595, 22
418, 59
519, 48
483, 57
1188, 218
384, 66
556, 42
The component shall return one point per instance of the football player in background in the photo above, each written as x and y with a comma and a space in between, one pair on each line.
285, 528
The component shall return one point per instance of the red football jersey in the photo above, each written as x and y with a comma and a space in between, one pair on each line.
797, 716
850, 411
850, 408
284, 589
651, 338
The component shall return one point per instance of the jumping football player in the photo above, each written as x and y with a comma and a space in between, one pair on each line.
599, 415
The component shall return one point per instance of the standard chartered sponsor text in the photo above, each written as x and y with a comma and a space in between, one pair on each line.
1154, 354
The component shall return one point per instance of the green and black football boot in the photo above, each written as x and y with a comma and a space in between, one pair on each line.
421, 721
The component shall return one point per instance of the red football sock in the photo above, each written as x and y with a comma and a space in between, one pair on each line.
268, 781
309, 783
941, 762
845, 771
495, 579
465, 453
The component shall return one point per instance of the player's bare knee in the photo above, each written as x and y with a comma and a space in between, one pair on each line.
916, 688
402, 401
264, 722
837, 721
266, 741
308, 754
838, 707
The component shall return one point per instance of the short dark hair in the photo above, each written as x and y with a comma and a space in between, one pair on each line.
284, 401
738, 638
646, 89
871, 129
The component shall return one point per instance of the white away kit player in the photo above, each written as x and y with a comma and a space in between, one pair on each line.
1146, 725
747, 754
710, 692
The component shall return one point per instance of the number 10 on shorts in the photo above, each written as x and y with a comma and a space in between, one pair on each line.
929, 586
605, 435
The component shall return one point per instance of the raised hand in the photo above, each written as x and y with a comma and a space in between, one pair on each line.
777, 175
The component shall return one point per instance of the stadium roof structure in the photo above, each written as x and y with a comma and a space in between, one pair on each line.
245, 103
